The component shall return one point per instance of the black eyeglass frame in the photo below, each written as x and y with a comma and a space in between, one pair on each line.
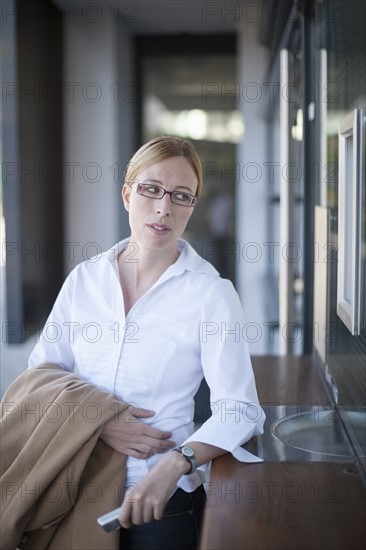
171, 194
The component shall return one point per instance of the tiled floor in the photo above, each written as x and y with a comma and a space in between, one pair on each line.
13, 358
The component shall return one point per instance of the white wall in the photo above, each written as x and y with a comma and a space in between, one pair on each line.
92, 155
252, 188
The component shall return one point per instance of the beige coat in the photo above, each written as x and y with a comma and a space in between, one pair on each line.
57, 476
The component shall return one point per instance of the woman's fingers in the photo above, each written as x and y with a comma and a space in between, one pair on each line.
125, 515
140, 508
147, 439
129, 436
143, 450
139, 412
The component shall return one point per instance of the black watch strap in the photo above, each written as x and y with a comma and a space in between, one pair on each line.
188, 454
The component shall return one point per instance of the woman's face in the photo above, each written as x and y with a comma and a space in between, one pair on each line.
158, 223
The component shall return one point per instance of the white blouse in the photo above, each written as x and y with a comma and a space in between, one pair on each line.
189, 325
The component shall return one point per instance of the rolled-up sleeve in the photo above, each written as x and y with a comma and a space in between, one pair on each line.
236, 413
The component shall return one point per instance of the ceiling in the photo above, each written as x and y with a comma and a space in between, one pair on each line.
192, 82
172, 16
180, 81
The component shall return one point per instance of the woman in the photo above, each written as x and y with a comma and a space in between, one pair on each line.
150, 318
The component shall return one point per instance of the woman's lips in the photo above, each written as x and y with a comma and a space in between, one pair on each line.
158, 229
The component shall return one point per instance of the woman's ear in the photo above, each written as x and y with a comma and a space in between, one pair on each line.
126, 193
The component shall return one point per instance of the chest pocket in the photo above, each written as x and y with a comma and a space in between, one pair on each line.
96, 347
145, 353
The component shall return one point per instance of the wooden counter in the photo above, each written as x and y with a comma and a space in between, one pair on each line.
285, 505
289, 379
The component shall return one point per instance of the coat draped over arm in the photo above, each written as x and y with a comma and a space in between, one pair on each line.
57, 475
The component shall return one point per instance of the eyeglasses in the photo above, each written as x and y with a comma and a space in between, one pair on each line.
153, 191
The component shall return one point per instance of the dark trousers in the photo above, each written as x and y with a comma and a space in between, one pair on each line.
179, 528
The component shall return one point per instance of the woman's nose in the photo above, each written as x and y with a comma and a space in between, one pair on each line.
164, 205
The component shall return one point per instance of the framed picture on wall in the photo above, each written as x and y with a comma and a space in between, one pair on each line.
349, 220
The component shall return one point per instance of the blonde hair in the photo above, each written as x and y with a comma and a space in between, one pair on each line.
161, 148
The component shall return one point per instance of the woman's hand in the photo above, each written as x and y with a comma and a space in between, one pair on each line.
127, 435
146, 500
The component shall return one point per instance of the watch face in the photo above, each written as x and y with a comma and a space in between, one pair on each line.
187, 451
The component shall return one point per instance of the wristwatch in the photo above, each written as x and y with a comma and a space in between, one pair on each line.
188, 454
